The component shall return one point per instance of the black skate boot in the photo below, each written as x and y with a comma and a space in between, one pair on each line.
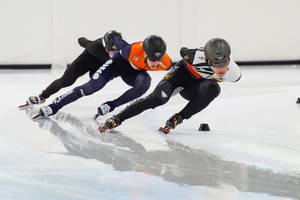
171, 123
110, 123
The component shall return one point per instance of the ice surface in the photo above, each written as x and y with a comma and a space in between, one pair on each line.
252, 151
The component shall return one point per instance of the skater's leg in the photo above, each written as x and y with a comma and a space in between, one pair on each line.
86, 89
200, 95
140, 82
77, 68
159, 96
105, 73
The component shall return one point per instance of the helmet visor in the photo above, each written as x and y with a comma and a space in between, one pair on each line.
224, 62
154, 58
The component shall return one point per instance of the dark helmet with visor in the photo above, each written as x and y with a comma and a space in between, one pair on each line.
155, 47
217, 51
109, 40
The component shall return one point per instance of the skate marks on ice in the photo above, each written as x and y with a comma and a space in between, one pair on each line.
180, 164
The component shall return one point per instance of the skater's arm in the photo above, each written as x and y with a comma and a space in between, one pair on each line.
164, 65
123, 47
84, 42
233, 74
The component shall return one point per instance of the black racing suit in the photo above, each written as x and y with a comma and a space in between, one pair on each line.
93, 57
198, 91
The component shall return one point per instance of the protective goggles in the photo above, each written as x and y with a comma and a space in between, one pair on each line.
223, 62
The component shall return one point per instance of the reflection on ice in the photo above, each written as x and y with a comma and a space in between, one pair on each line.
180, 164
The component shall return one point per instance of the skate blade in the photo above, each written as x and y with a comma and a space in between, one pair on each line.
102, 129
24, 106
164, 130
37, 116
96, 116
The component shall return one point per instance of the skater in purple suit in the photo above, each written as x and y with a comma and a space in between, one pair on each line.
131, 63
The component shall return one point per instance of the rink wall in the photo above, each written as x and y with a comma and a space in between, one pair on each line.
41, 33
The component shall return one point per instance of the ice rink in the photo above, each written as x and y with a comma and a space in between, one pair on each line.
251, 152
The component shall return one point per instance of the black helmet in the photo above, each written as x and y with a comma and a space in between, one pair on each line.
109, 40
155, 47
217, 50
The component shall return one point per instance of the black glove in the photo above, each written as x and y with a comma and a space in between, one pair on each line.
83, 42
188, 54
